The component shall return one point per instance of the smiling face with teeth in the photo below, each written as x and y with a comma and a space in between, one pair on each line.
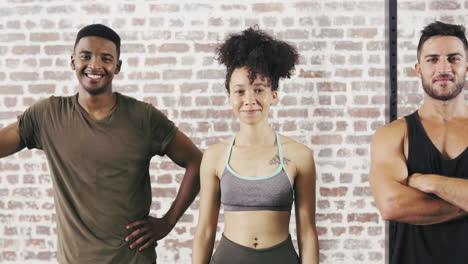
95, 62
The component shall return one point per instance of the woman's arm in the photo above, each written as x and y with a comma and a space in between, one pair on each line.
305, 206
209, 209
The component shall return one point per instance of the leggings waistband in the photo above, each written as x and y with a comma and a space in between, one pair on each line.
281, 244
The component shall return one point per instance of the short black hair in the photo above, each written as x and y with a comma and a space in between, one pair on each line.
260, 54
438, 28
99, 30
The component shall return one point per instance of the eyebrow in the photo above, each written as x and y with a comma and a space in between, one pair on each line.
102, 54
448, 55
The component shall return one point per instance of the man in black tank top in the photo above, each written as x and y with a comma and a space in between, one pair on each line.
419, 170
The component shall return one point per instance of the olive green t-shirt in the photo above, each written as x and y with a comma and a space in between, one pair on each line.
100, 173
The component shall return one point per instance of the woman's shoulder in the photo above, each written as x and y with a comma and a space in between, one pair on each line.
217, 150
295, 149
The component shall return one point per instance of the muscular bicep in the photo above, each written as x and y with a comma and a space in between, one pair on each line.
10, 140
388, 171
388, 178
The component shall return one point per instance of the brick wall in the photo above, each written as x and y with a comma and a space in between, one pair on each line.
412, 18
333, 104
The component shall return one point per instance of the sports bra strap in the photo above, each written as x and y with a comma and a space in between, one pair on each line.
280, 149
278, 143
228, 156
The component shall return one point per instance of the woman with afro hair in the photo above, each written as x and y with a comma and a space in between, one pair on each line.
257, 174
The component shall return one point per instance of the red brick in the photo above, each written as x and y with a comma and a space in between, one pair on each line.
363, 217
362, 191
26, 50
177, 74
164, 192
211, 74
348, 45
343, 153
329, 244
293, 113
293, 34
338, 231
375, 230
333, 192
356, 59
132, 48
307, 21
58, 76
327, 112
348, 73
12, 37
332, 217
362, 33
28, 9
376, 72
314, 74
444, 5
331, 87
160, 60
6, 11
10, 101
364, 112
270, 7
158, 88
209, 48
9, 255
185, 101
24, 76
98, 9
411, 5
174, 47
357, 244
366, 86
331, 33
58, 50
44, 37
358, 139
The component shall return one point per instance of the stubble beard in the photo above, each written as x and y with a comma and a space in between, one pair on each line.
453, 93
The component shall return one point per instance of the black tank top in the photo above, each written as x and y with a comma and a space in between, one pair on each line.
444, 243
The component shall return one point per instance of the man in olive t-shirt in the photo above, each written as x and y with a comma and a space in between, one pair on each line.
99, 144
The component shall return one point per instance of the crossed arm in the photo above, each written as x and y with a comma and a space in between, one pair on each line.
407, 198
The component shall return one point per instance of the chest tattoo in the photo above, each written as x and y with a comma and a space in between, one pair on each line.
276, 160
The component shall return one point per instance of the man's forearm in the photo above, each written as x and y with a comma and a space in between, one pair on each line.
452, 190
410, 205
430, 210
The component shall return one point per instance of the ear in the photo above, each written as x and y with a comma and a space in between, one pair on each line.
275, 97
119, 65
417, 68
72, 62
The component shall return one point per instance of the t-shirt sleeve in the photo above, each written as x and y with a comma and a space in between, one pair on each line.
163, 131
30, 124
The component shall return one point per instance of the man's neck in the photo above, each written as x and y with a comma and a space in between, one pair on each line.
100, 103
444, 110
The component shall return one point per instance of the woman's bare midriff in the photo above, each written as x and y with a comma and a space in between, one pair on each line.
257, 229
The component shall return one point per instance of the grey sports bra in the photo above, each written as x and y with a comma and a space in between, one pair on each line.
272, 192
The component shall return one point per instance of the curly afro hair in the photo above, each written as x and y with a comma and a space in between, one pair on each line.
260, 53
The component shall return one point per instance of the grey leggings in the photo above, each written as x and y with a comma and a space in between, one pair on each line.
229, 252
